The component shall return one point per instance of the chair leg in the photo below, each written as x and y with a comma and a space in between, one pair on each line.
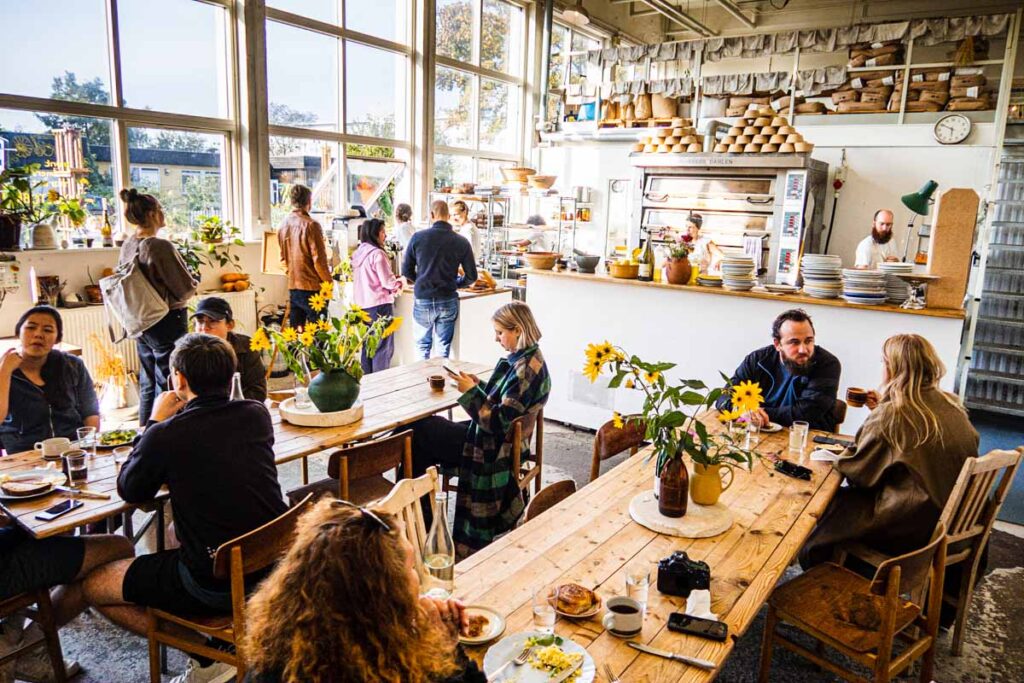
963, 603
154, 649
928, 663
766, 645
48, 623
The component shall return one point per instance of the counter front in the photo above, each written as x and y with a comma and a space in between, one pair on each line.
704, 331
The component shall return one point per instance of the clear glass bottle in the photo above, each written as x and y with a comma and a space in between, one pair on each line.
302, 401
439, 554
236, 387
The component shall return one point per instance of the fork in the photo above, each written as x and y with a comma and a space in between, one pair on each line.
519, 660
612, 678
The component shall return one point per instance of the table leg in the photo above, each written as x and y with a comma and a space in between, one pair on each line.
305, 470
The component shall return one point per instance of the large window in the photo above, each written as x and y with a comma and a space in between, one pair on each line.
478, 89
164, 90
567, 65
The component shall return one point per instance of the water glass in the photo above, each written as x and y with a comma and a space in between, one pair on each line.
121, 454
798, 437
638, 580
87, 439
302, 401
543, 611
76, 466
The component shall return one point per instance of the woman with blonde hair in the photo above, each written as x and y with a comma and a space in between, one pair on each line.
908, 456
343, 606
489, 500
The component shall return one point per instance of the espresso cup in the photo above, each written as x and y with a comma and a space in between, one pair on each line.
856, 397
436, 382
52, 448
625, 617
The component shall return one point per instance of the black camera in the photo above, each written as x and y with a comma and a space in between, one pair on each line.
678, 575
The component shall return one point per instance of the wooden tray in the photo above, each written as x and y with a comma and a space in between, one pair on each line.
311, 417
700, 521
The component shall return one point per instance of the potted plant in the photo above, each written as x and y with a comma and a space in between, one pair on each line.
332, 346
209, 243
677, 267
670, 420
20, 203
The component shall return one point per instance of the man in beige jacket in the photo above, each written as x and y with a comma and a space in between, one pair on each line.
304, 254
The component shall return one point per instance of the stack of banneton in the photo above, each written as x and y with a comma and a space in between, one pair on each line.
761, 130
680, 137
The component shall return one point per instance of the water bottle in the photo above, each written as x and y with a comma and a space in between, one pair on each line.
439, 554
236, 387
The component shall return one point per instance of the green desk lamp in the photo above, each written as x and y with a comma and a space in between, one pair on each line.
918, 202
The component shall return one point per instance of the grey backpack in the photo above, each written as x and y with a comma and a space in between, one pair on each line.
132, 300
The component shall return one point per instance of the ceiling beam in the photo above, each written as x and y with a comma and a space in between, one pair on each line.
678, 16
735, 11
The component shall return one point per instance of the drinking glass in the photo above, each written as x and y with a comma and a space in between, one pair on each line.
638, 580
87, 439
76, 466
543, 611
302, 401
798, 437
753, 431
121, 454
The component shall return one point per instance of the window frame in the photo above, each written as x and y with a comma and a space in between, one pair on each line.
566, 67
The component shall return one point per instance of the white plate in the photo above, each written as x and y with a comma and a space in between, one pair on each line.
495, 626
55, 477
771, 428
508, 647
582, 615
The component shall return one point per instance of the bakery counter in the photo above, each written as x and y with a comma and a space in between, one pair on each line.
704, 331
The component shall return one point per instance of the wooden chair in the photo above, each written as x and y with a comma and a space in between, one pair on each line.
43, 615
355, 473
522, 429
839, 413
404, 503
548, 497
251, 552
610, 441
861, 619
968, 517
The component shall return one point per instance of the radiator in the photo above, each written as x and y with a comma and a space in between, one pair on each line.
81, 323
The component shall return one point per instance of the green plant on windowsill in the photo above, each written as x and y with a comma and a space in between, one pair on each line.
209, 243
20, 196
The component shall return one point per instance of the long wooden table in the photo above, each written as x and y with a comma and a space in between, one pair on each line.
589, 538
391, 398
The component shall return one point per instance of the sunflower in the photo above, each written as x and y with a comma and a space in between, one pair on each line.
317, 302
630, 384
360, 315
651, 377
325, 324
289, 334
746, 396
617, 420
592, 369
260, 341
391, 328
327, 289
308, 336
729, 415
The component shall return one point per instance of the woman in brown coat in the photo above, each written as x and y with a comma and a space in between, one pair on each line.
908, 456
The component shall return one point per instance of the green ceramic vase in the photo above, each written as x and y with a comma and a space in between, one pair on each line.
333, 391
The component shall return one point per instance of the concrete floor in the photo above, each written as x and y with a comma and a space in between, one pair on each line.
994, 647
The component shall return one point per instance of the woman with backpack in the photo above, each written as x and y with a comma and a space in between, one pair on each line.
163, 266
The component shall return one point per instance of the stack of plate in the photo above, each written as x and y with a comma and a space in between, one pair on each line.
896, 289
821, 274
864, 286
738, 273
709, 280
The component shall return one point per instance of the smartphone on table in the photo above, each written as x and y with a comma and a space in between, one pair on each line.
697, 626
59, 509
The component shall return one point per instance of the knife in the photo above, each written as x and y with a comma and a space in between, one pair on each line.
692, 661
568, 672
83, 493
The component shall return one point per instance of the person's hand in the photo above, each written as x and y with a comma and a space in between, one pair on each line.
872, 400
167, 404
10, 362
759, 417
449, 614
466, 381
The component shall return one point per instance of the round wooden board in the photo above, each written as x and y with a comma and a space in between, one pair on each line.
311, 417
700, 521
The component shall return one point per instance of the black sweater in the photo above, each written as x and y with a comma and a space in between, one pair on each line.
216, 457
789, 397
432, 261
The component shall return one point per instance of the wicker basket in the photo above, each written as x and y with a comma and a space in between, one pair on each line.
624, 271
518, 174
542, 182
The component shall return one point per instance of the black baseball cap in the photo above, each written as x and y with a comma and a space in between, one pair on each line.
214, 307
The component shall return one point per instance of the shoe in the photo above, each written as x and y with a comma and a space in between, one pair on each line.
35, 667
218, 672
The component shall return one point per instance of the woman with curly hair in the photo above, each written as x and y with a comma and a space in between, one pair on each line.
343, 606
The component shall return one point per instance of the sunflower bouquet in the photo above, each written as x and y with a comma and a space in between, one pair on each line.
328, 344
670, 410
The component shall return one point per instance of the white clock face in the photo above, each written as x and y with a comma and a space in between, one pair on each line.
949, 130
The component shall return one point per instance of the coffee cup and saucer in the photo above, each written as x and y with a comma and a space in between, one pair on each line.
51, 449
625, 617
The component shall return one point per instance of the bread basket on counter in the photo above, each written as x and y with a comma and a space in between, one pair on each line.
517, 174
542, 182
541, 260
623, 271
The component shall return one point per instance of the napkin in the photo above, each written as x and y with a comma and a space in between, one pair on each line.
699, 605
821, 455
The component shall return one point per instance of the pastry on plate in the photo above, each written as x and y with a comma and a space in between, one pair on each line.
572, 598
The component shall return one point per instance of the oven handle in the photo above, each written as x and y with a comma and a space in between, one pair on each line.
763, 200
660, 198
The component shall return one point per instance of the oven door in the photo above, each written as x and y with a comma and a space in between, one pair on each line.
725, 228
710, 193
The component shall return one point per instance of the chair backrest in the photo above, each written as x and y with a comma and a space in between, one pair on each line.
404, 503
521, 429
262, 546
839, 413
974, 503
548, 497
369, 458
611, 440
906, 573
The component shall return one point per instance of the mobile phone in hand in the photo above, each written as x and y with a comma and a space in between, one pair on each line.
696, 626
450, 371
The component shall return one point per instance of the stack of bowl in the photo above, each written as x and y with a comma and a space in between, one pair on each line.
705, 280
821, 273
680, 138
864, 286
897, 291
738, 273
760, 130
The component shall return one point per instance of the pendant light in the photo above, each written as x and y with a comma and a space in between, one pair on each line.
576, 15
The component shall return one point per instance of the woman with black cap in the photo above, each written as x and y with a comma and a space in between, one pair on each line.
44, 392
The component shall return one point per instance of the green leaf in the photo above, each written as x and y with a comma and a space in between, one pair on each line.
660, 367
616, 381
691, 398
673, 419
701, 430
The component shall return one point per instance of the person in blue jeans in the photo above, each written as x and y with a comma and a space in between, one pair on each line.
432, 262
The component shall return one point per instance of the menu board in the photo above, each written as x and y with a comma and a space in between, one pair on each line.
792, 229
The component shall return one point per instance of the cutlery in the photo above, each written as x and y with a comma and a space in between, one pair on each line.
692, 661
83, 493
568, 672
609, 674
518, 660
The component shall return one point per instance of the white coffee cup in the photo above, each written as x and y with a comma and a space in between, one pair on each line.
625, 616
52, 448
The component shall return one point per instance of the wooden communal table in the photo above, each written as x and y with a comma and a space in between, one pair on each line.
391, 398
589, 538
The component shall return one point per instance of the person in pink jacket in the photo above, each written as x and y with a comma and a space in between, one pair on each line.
375, 287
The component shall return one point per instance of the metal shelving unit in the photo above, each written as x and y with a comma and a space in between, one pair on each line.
995, 377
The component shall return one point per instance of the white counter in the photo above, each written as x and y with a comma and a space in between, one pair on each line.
704, 332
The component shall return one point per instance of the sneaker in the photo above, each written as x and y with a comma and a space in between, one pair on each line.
218, 672
35, 667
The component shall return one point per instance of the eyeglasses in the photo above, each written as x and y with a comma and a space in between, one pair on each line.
365, 512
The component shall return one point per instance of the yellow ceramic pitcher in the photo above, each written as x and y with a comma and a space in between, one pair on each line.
708, 482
